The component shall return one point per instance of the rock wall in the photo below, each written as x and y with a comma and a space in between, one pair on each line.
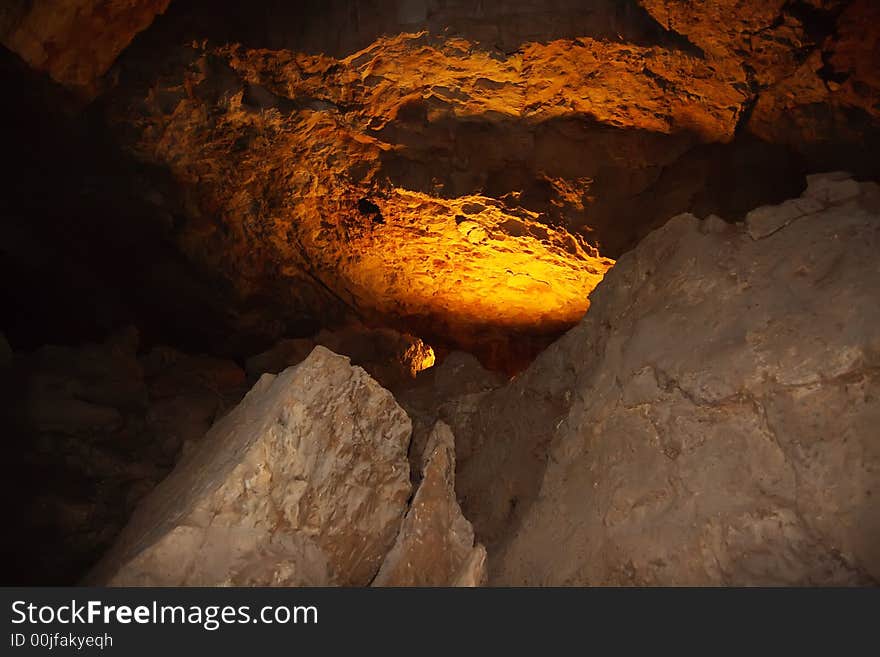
719, 406
392, 358
811, 66
465, 172
93, 428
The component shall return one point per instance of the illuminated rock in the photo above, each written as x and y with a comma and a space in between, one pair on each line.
467, 269
719, 412
766, 35
435, 546
812, 66
447, 392
305, 482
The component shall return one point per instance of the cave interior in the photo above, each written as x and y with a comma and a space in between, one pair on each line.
202, 191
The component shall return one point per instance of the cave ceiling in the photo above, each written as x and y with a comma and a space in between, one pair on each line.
463, 171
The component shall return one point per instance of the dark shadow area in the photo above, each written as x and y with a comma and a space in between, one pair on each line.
850, 139
342, 27
89, 238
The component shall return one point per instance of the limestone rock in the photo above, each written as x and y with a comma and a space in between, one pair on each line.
74, 41
285, 353
722, 424
461, 374
305, 482
474, 572
765, 35
435, 546
833, 187
502, 434
832, 94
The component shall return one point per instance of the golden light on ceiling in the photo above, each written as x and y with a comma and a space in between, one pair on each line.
297, 190
468, 263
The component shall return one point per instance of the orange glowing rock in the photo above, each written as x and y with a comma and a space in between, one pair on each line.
287, 191
433, 184
465, 263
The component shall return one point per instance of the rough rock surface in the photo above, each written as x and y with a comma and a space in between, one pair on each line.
74, 41
305, 482
832, 96
435, 546
297, 178
720, 409
811, 67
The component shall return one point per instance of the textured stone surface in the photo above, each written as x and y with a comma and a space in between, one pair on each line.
474, 572
831, 96
463, 184
807, 62
435, 546
449, 392
766, 36
301, 182
723, 408
305, 482
74, 41
767, 219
